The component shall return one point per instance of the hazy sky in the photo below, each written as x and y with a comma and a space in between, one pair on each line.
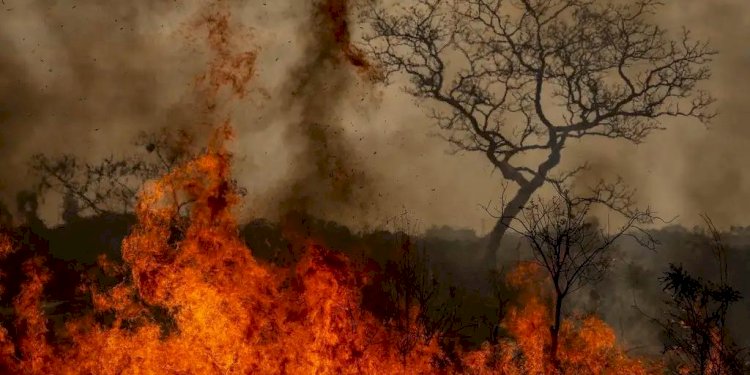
86, 76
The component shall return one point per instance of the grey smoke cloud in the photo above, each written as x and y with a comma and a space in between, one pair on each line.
690, 169
72, 68
83, 77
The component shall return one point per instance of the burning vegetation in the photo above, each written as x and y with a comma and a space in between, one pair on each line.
190, 298
185, 294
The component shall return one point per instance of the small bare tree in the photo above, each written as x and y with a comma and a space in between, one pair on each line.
518, 80
571, 246
112, 184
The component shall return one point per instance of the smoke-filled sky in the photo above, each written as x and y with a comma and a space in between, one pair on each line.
86, 76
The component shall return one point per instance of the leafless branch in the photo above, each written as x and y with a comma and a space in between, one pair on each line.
496, 71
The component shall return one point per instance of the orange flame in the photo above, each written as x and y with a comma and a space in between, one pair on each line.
587, 344
232, 315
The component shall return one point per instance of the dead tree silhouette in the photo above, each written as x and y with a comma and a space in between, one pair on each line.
518, 80
572, 247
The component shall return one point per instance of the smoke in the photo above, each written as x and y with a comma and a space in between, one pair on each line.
690, 169
326, 176
95, 75
317, 86
630, 294
85, 77
715, 176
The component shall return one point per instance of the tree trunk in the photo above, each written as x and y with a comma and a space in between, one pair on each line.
513, 208
555, 332
523, 195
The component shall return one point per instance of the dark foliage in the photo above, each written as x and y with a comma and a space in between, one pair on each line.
695, 323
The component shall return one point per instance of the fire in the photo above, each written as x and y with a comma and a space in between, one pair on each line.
231, 314
587, 344
191, 298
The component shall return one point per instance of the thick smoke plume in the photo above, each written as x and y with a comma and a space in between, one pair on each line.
326, 177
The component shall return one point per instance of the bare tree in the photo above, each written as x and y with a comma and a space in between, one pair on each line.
517, 80
112, 184
571, 246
